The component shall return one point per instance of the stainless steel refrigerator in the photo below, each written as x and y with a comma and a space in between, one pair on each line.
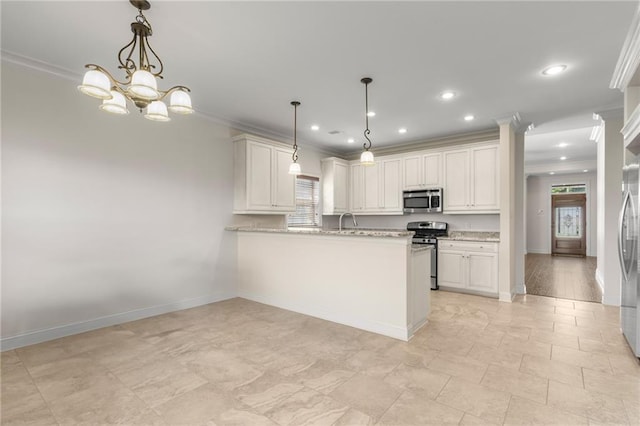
628, 252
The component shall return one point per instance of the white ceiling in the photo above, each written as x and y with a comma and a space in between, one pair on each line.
245, 62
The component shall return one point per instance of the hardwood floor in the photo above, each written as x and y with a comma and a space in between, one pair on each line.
566, 277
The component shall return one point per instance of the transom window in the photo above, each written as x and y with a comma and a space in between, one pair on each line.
579, 188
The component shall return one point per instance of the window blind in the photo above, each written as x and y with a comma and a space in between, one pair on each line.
307, 198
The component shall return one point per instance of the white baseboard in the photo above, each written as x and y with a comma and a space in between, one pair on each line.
39, 336
600, 281
538, 251
385, 329
506, 296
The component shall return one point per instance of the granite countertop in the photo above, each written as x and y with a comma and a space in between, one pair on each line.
395, 233
472, 236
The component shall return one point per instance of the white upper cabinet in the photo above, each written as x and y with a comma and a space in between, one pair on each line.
335, 186
422, 171
356, 187
377, 189
262, 183
390, 181
471, 180
485, 183
371, 185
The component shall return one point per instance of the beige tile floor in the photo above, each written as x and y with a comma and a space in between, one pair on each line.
539, 360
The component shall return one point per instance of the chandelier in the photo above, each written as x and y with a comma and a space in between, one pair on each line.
140, 85
294, 167
366, 158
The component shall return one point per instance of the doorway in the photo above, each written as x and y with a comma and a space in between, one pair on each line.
568, 224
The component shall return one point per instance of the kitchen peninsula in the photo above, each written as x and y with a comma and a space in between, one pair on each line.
369, 279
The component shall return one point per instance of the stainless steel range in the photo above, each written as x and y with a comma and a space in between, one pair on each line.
427, 233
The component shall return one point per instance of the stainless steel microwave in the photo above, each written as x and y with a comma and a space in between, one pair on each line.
422, 201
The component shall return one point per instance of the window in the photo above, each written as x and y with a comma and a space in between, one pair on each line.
569, 189
307, 197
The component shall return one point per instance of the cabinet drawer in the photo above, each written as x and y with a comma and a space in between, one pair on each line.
477, 246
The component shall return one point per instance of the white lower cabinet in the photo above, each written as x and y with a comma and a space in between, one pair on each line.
469, 266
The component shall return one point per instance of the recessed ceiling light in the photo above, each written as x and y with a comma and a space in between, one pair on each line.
447, 95
563, 158
351, 140
315, 127
371, 114
554, 70
402, 130
585, 170
563, 144
469, 117
552, 173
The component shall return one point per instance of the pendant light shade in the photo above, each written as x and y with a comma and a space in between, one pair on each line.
366, 158
116, 105
96, 84
294, 168
157, 111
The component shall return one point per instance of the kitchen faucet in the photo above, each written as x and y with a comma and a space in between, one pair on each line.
353, 216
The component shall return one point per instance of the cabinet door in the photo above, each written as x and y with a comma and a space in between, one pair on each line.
371, 187
259, 184
484, 186
412, 172
341, 201
451, 268
357, 188
432, 170
456, 180
483, 269
284, 195
390, 185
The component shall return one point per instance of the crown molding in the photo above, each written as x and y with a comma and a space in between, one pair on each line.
458, 139
514, 120
38, 65
629, 59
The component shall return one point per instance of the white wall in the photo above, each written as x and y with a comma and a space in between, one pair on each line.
106, 218
538, 213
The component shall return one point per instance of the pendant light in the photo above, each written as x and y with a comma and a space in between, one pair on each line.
366, 158
294, 168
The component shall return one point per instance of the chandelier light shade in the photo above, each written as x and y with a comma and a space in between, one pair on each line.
116, 105
140, 85
366, 158
294, 168
96, 84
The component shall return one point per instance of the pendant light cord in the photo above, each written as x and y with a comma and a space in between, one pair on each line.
366, 81
294, 156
